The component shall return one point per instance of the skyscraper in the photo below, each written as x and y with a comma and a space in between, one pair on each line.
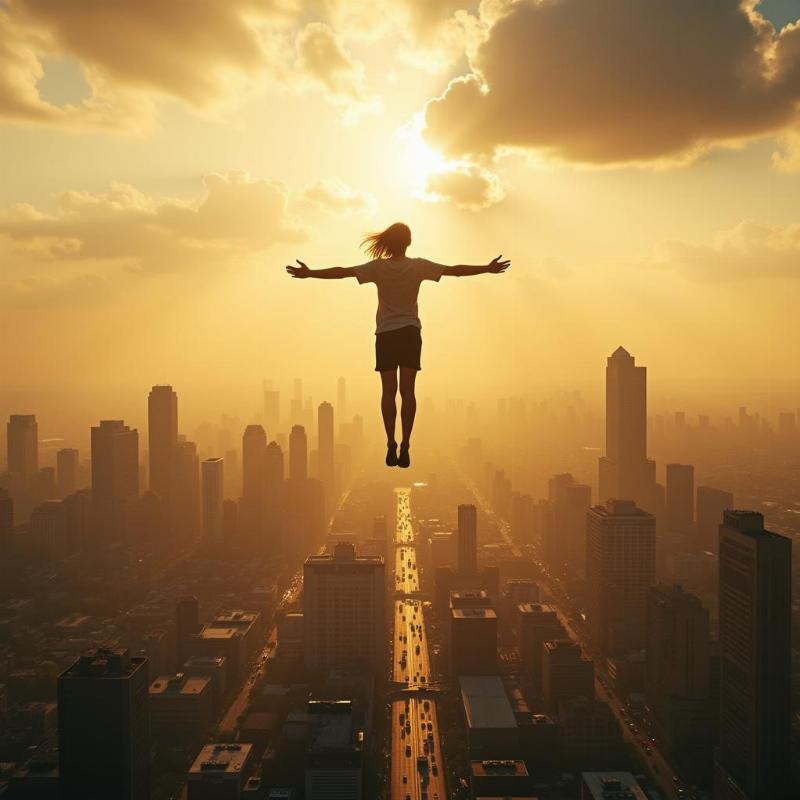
6, 521
115, 476
66, 471
343, 609
254, 453
755, 659
162, 436
211, 471
298, 453
620, 569
22, 442
185, 504
103, 728
272, 409
625, 471
467, 539
680, 498
325, 446
296, 405
711, 504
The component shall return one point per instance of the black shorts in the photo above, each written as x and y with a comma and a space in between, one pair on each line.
398, 348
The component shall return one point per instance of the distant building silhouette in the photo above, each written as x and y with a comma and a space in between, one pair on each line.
162, 436
566, 673
343, 609
66, 471
251, 508
755, 659
115, 477
272, 409
185, 504
625, 471
711, 504
620, 569
680, 500
298, 453
103, 728
341, 398
467, 539
22, 443
212, 481
326, 468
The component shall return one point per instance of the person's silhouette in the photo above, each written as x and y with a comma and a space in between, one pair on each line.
398, 339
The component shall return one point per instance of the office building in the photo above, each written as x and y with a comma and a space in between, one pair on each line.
212, 482
492, 728
755, 659
103, 728
499, 777
588, 733
680, 500
343, 610
537, 623
711, 505
625, 471
219, 772
467, 539
334, 759
115, 477
566, 673
185, 505
341, 398
162, 436
326, 468
298, 453
272, 409
6, 521
254, 484
620, 569
473, 641
678, 679
22, 443
181, 706
610, 785
48, 530
66, 471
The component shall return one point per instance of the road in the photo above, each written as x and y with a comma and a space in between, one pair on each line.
417, 768
659, 766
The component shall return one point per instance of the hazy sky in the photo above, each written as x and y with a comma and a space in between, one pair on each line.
639, 161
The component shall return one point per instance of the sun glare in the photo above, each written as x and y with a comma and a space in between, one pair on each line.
419, 161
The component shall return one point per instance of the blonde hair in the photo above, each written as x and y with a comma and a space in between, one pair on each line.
389, 242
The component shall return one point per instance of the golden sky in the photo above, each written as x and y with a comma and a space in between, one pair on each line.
639, 161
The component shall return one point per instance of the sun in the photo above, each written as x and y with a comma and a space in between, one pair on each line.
418, 161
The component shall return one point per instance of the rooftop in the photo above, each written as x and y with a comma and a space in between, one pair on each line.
179, 685
499, 767
612, 786
215, 759
473, 613
104, 662
331, 724
485, 702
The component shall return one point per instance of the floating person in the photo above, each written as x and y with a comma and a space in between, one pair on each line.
398, 337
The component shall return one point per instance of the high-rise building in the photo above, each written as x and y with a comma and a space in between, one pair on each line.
22, 442
473, 641
341, 398
187, 618
66, 471
212, 477
566, 673
620, 569
680, 499
48, 530
325, 450
298, 453
538, 623
115, 477
219, 772
711, 505
625, 471
162, 436
103, 728
755, 659
185, 504
254, 453
467, 539
343, 609
6, 521
678, 678
569, 501
296, 405
334, 758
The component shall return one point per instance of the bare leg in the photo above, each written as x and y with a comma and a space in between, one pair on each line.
409, 409
388, 403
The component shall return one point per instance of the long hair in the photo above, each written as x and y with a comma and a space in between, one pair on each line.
389, 242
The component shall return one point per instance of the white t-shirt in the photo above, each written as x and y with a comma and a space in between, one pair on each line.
398, 281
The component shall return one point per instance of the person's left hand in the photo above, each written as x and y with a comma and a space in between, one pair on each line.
298, 272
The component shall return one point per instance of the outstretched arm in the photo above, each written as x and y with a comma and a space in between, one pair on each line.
496, 266
304, 271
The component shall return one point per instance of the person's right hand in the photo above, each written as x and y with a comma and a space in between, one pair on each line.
497, 266
298, 272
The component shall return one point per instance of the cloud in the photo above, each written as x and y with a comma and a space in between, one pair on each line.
337, 197
749, 250
324, 60
237, 216
620, 81
470, 187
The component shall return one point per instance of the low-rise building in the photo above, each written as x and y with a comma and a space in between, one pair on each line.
180, 706
219, 772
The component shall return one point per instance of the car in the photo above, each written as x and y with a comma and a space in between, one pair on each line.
408, 751
430, 726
